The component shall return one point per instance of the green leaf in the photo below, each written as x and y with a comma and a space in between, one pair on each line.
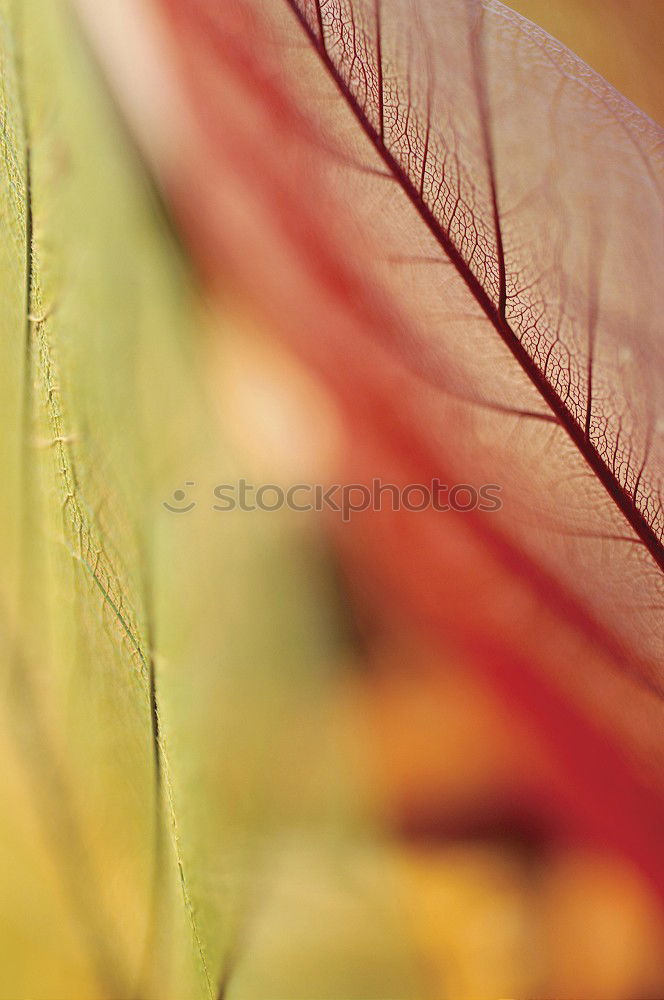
148, 657
156, 667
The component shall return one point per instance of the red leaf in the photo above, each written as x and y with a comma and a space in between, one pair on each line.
461, 227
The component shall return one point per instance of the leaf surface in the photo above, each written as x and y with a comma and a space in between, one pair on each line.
139, 704
460, 225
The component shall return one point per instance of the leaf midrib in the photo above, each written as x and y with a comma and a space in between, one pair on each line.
617, 493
